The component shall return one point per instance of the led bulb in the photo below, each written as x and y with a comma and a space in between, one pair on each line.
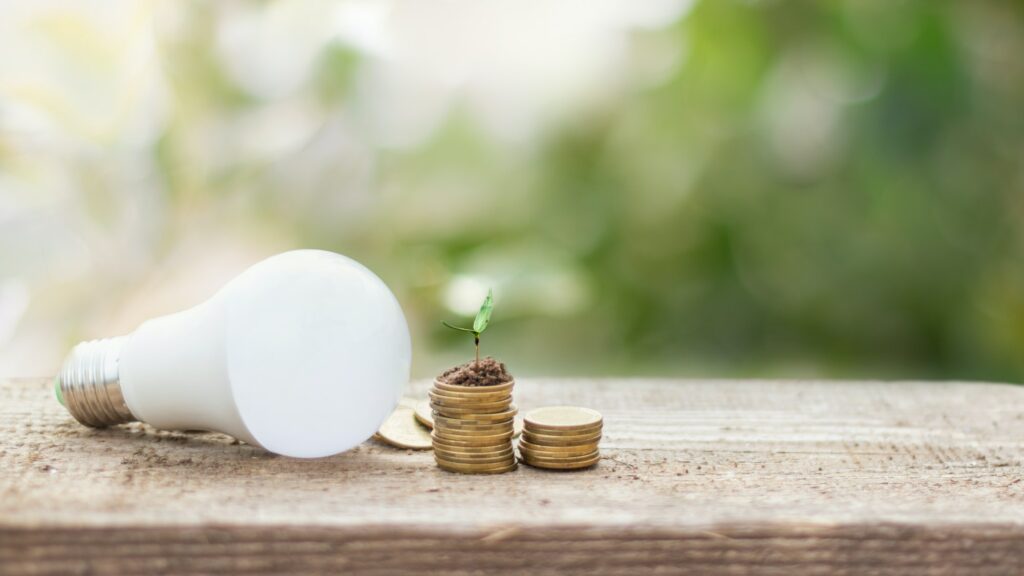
305, 354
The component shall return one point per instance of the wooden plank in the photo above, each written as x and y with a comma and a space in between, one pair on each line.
749, 477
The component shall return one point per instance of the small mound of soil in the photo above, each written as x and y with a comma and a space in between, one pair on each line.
486, 372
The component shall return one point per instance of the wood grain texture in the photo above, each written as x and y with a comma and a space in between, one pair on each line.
697, 477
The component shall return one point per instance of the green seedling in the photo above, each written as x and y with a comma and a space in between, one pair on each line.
483, 318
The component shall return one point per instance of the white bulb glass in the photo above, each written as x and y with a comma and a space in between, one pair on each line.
305, 354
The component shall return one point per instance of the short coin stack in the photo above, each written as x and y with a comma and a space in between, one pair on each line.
561, 437
473, 427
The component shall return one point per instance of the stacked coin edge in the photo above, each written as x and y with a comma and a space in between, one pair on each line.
560, 447
473, 428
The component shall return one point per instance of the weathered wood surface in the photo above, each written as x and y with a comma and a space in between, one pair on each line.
697, 478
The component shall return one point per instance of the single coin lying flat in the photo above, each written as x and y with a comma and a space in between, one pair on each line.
401, 429
424, 414
559, 418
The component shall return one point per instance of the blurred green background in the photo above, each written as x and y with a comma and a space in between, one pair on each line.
719, 188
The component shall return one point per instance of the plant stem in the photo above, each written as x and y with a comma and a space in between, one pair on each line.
476, 338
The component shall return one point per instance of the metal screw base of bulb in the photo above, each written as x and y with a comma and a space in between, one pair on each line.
90, 384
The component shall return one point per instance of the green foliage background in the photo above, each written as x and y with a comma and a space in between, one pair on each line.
813, 189
902, 257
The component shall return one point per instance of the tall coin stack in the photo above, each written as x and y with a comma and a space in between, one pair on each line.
473, 428
561, 437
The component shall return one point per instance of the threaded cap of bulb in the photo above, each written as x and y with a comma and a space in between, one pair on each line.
89, 384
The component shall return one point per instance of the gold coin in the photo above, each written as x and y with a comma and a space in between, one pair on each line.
474, 451
463, 435
548, 440
574, 432
464, 451
470, 467
476, 428
476, 466
451, 453
444, 423
507, 386
444, 436
467, 412
562, 418
476, 443
474, 469
460, 411
526, 454
571, 437
563, 466
479, 417
467, 451
454, 453
488, 406
472, 459
423, 414
468, 440
468, 423
448, 436
436, 400
402, 430
464, 447
556, 451
471, 397
489, 461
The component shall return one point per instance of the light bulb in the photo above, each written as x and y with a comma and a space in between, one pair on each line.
305, 354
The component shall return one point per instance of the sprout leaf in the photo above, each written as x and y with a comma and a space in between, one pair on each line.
461, 329
483, 317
